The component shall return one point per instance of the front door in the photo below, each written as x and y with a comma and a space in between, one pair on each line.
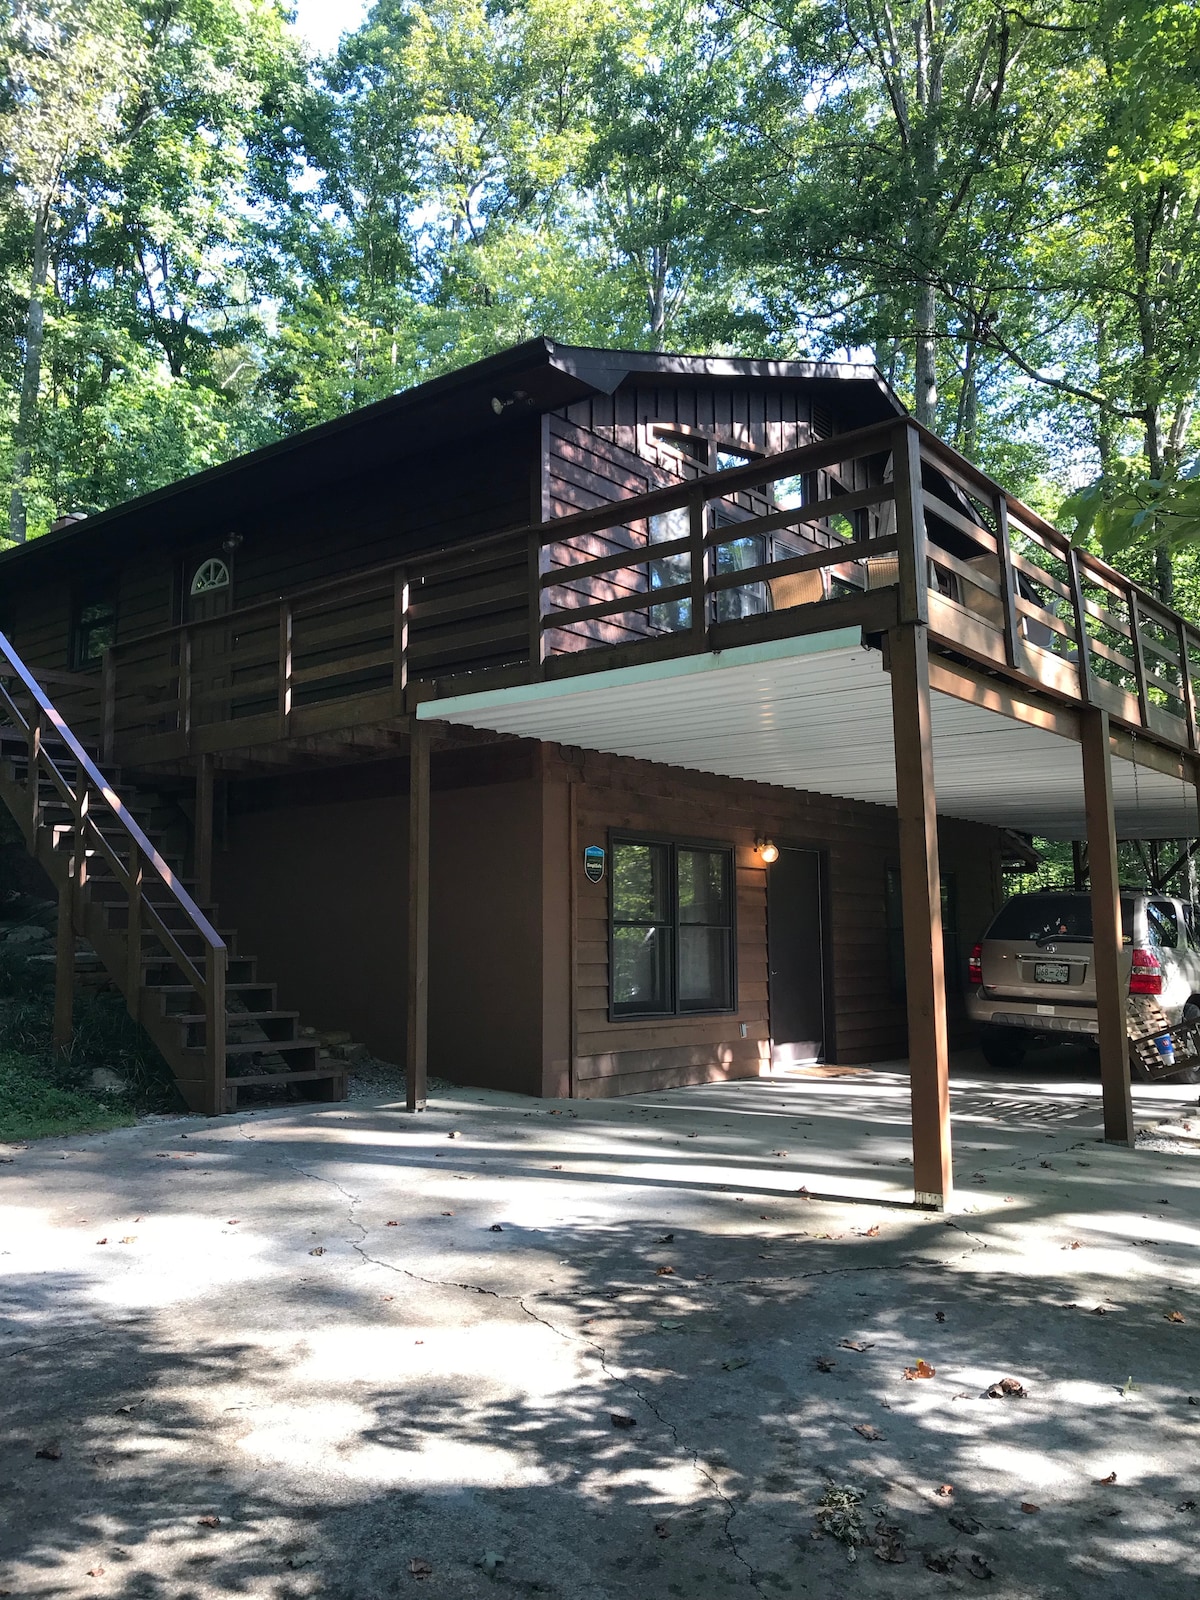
796, 957
207, 597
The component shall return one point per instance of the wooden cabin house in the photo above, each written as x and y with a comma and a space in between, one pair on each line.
568, 725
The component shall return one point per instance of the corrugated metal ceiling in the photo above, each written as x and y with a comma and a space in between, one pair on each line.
815, 714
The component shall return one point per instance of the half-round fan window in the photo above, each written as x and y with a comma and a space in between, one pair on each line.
211, 574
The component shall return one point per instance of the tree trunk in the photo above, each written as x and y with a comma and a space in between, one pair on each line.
926, 374
1164, 574
31, 375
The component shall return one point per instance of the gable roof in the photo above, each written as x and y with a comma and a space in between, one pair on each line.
527, 379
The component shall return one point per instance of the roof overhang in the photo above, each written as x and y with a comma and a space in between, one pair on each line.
492, 396
815, 714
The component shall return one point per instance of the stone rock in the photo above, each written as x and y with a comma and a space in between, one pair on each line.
351, 1052
333, 1038
28, 933
108, 1081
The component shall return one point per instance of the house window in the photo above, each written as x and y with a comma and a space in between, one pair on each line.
93, 626
672, 929
667, 571
750, 551
209, 575
692, 445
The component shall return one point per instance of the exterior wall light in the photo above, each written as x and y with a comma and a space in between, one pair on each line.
768, 852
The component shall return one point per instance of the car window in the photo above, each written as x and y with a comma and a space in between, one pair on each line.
1191, 927
1045, 916
1162, 923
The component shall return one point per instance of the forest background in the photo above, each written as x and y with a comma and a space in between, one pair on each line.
210, 238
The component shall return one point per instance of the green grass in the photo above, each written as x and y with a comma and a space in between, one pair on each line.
33, 1106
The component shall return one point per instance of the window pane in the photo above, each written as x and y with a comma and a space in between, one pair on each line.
641, 963
703, 887
641, 891
704, 976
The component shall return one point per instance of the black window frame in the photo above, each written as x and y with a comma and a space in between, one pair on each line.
97, 595
674, 843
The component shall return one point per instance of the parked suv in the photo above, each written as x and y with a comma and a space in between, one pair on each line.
1031, 979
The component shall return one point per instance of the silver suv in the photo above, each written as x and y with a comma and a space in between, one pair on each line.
1030, 978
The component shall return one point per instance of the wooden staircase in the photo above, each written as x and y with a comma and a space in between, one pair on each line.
214, 1020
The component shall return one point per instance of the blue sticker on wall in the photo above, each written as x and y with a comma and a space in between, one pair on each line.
593, 862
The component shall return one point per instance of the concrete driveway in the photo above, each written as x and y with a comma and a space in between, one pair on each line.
584, 1351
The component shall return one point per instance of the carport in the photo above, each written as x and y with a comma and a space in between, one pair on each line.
1019, 712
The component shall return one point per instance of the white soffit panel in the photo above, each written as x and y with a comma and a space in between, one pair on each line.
815, 714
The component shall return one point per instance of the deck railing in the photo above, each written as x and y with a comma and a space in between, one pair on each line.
867, 528
103, 832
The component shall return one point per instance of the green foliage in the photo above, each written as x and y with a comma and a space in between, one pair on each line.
33, 1105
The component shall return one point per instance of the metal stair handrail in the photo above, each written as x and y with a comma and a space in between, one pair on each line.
92, 786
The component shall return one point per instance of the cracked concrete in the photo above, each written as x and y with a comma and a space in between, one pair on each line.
360, 1341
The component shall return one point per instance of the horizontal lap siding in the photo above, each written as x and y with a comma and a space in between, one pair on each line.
860, 842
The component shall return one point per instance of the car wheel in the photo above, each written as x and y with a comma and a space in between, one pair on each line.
1003, 1048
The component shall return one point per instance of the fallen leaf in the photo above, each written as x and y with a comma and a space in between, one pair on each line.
491, 1562
557, 1166
1049, 1165
1005, 1389
125, 1410
964, 1521
101, 1241
420, 1568
301, 1558
50, 1451
1174, 1316
1074, 1245
495, 1228
447, 1213
825, 1363
387, 1296
872, 1232
735, 1362
393, 1224
129, 1239
665, 1238
1029, 1507
622, 1419
868, 1430
95, 1572
941, 1560
1186, 1505
663, 1529
944, 1490
921, 1370
939, 1316
1099, 1311
317, 1250
665, 1272
455, 1134
889, 1543
209, 1522
854, 1344
977, 1566
1104, 1482
232, 1223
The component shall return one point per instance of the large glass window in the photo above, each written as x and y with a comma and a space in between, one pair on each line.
672, 928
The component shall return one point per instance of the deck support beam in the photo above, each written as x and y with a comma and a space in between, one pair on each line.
64, 962
921, 898
1106, 927
416, 1060
203, 850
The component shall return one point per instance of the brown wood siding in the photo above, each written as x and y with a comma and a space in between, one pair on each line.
859, 842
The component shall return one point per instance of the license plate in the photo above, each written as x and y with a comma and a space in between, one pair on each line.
1051, 972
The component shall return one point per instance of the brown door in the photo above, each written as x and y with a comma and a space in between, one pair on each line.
796, 957
207, 597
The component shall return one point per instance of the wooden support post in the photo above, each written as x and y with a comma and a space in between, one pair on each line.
1082, 639
184, 713
921, 899
400, 639
33, 776
417, 1055
698, 568
1139, 655
108, 706
214, 1030
203, 839
284, 669
536, 602
64, 957
1106, 926
912, 556
1008, 582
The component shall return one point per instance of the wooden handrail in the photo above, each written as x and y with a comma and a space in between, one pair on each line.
92, 789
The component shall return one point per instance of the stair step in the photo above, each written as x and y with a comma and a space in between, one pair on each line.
187, 993
271, 1047
304, 1075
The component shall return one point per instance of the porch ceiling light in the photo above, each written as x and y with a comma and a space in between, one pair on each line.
768, 852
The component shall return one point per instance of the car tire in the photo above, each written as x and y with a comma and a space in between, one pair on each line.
1003, 1048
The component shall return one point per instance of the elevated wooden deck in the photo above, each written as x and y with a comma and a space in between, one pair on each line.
887, 525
